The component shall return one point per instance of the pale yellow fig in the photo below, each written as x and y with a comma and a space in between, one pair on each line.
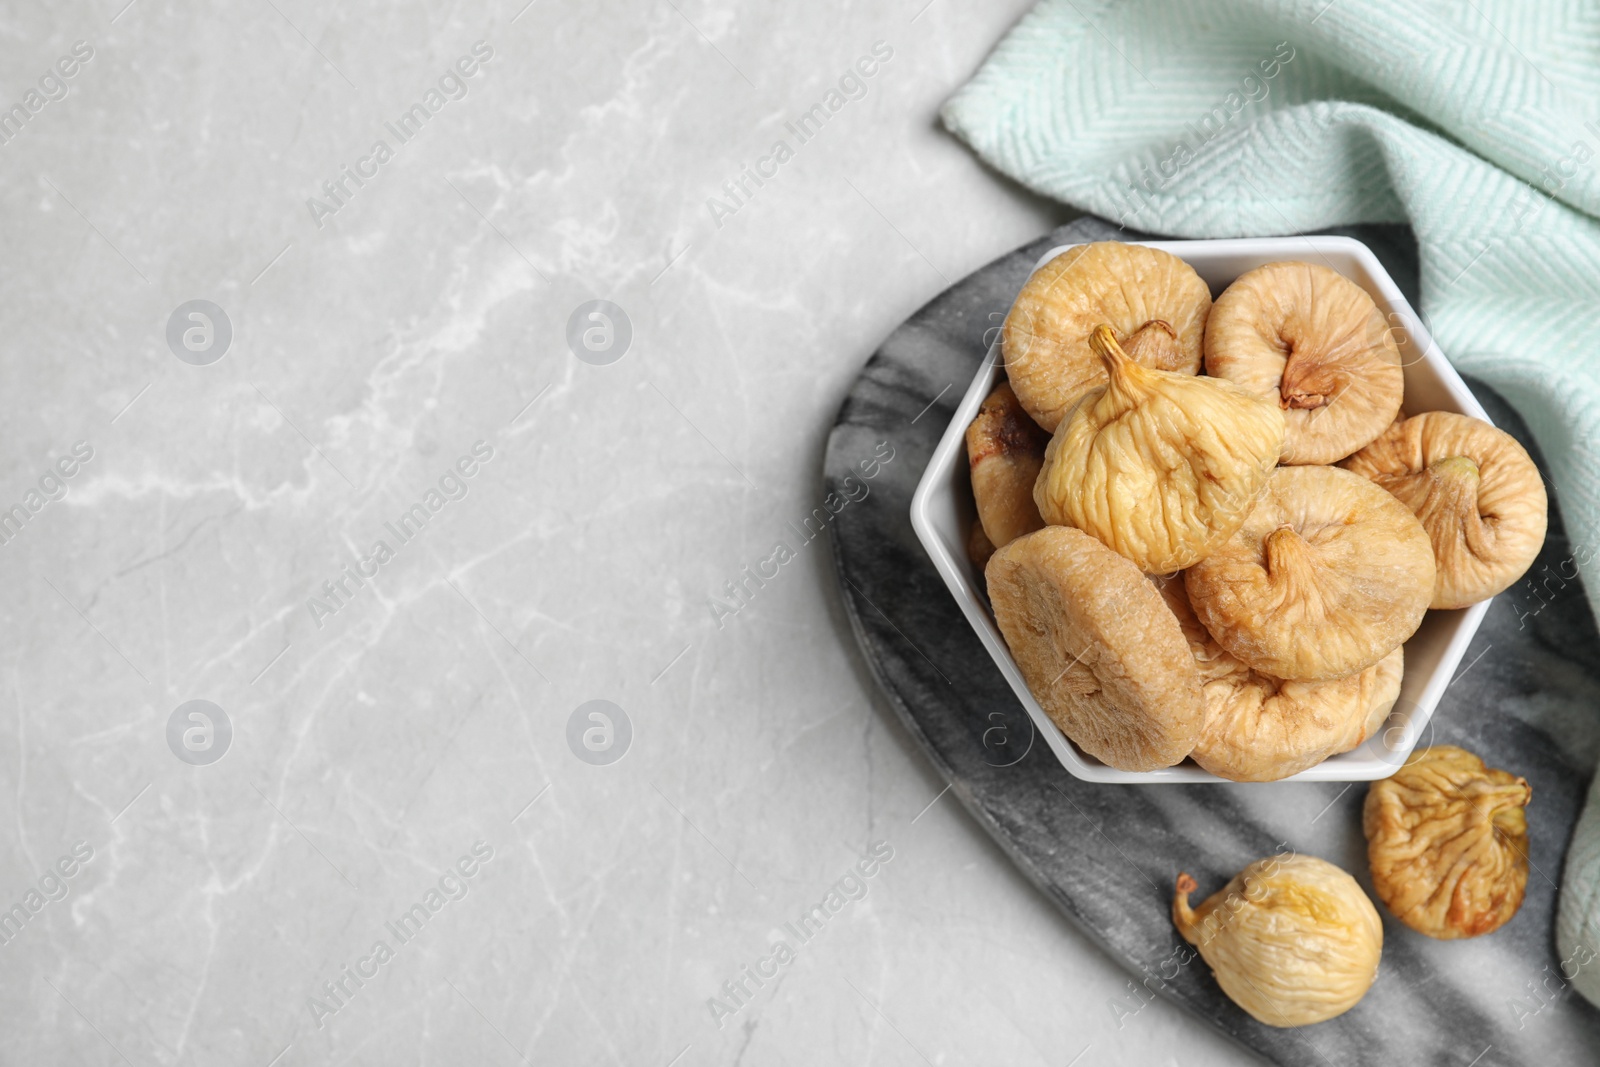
1327, 575
1045, 339
1259, 728
1005, 449
1160, 467
1313, 341
1476, 491
1292, 940
1098, 648
1447, 838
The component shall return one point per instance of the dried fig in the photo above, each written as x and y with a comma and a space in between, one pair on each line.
1327, 575
1098, 648
1478, 494
1292, 939
1386, 689
1005, 449
979, 547
1160, 467
1045, 338
1447, 838
1258, 728
1314, 342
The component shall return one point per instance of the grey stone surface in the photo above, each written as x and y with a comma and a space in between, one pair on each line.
1107, 856
368, 754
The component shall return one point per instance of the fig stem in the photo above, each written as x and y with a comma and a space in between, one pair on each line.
1183, 916
1506, 803
1285, 547
1459, 469
1307, 383
1128, 377
1452, 499
1104, 343
1290, 568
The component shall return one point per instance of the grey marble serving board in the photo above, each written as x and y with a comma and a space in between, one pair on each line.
1528, 699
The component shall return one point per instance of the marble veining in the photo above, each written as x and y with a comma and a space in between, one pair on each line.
532, 663
1107, 856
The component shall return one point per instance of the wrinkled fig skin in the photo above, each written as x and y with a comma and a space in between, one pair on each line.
1476, 491
1386, 677
1447, 838
1259, 728
979, 547
1160, 467
1313, 341
1098, 648
1045, 339
1292, 940
1327, 575
1005, 449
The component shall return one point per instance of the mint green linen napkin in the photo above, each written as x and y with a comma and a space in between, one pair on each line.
1478, 123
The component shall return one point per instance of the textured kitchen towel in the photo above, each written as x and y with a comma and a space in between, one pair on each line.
1478, 123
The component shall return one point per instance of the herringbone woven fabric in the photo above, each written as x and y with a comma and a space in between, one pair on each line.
1477, 122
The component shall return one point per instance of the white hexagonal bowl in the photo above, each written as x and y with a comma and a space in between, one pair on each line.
942, 514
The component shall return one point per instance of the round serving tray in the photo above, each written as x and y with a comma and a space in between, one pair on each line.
1107, 855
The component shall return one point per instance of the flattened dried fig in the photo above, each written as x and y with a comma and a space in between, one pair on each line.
1259, 728
1447, 837
1476, 491
1314, 342
1386, 674
1327, 575
1045, 339
1005, 449
1098, 648
979, 547
1292, 939
1160, 467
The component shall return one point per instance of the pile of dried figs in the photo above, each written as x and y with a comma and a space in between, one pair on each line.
1223, 566
1294, 939
1207, 529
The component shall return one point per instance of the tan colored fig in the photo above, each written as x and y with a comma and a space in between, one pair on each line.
1314, 342
1328, 575
1005, 449
1160, 467
1390, 673
1476, 491
1292, 939
1098, 648
979, 547
1045, 338
1259, 728
1447, 838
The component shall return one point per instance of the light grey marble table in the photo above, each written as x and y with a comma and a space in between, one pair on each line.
412, 848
